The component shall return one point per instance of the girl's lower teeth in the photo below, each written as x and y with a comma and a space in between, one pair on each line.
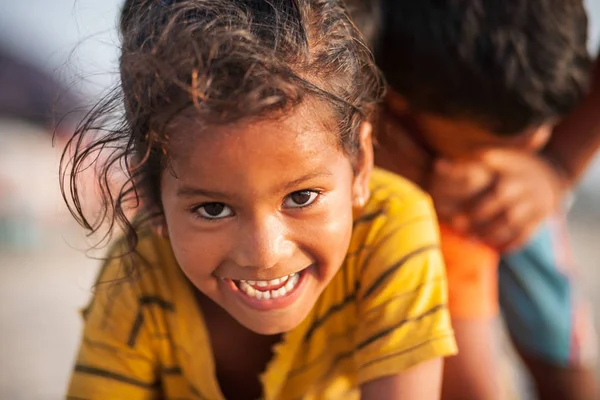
291, 283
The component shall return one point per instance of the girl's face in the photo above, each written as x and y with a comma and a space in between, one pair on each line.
259, 213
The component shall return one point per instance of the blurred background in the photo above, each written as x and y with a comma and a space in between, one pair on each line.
64, 52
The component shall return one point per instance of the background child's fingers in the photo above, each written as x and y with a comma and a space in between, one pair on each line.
460, 180
493, 202
506, 227
518, 241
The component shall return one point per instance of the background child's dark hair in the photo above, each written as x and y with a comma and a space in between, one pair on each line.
507, 64
225, 60
366, 14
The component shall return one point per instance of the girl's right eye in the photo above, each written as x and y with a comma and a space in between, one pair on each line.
214, 211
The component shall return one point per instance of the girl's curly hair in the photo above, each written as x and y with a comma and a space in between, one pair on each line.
226, 60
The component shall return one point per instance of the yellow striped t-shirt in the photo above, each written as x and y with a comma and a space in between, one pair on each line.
383, 312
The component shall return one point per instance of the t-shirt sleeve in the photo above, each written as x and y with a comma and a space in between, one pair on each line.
115, 359
402, 296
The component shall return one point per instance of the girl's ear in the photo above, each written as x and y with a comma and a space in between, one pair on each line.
363, 166
159, 224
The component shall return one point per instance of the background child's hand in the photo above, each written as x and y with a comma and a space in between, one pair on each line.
455, 186
522, 190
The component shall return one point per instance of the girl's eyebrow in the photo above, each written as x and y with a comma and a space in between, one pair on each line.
190, 191
296, 182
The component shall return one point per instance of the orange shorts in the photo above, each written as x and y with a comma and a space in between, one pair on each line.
472, 271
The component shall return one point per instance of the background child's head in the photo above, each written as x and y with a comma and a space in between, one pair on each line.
495, 66
245, 131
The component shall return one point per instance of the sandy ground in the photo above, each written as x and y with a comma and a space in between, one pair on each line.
45, 282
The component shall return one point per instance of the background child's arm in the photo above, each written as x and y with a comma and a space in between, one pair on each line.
404, 328
576, 139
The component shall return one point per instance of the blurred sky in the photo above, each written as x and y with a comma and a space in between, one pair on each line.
83, 32
77, 40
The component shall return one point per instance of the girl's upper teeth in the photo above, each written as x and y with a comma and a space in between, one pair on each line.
251, 288
272, 282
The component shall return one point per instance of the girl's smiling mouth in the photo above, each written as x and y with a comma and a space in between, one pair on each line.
272, 289
272, 294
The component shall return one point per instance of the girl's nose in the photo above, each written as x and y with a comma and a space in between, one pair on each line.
263, 243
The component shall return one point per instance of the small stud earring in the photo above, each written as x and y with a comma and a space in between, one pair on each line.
359, 202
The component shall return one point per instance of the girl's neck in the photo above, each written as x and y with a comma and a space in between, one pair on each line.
240, 355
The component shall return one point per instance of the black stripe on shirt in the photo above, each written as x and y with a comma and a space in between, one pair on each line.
367, 217
317, 359
392, 328
138, 322
366, 342
390, 235
405, 293
397, 265
404, 351
197, 393
135, 328
176, 370
352, 296
374, 247
85, 369
340, 357
155, 300
330, 311
115, 350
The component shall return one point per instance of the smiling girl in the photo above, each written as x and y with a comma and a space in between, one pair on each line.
266, 258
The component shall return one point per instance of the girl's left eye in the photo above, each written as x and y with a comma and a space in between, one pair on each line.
301, 198
214, 211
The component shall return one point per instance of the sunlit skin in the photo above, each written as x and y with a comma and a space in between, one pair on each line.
258, 200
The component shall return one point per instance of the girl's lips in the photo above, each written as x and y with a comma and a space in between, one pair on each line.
277, 298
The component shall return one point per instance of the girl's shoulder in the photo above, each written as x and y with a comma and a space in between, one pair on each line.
137, 277
394, 203
389, 189
150, 255
395, 271
397, 223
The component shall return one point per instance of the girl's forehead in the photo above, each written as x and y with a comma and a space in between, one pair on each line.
258, 158
304, 127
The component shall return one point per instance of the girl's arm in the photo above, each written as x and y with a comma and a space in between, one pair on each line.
422, 382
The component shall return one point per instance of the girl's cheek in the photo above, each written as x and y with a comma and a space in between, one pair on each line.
330, 233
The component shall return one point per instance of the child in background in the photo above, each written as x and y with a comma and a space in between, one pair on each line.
481, 85
266, 258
